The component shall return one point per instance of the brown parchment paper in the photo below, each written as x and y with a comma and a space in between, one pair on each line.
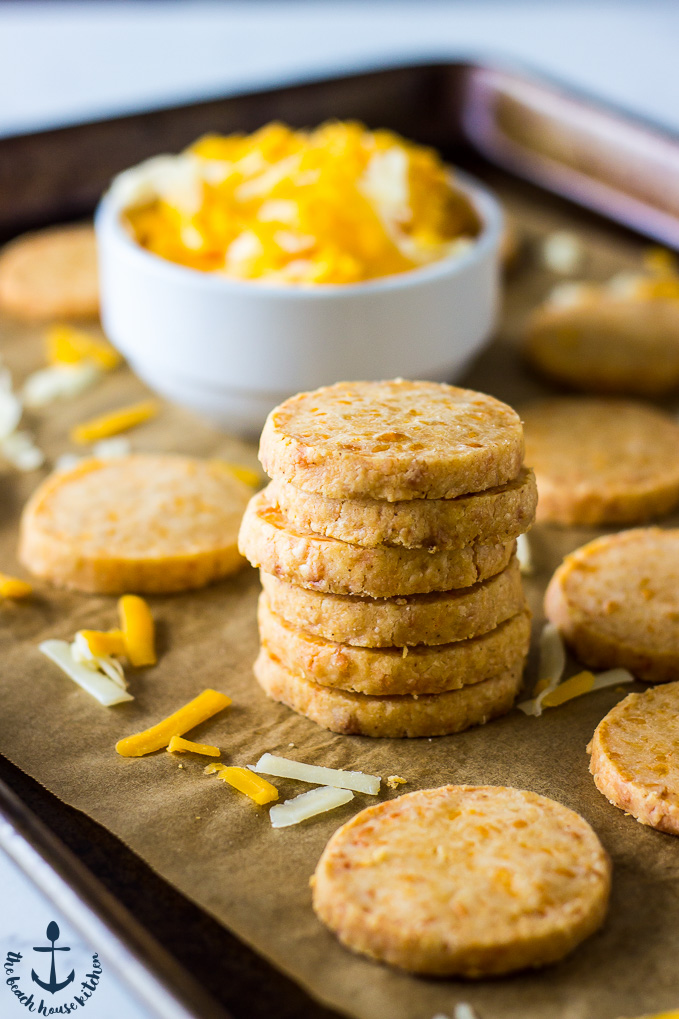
216, 846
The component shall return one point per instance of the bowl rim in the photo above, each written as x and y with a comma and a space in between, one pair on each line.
109, 228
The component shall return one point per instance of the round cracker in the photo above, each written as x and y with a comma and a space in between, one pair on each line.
51, 274
616, 602
390, 717
400, 622
496, 515
602, 461
135, 523
387, 671
469, 881
392, 440
279, 546
633, 757
608, 344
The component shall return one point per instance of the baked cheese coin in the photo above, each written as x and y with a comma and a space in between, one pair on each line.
281, 547
496, 515
399, 622
602, 461
392, 440
394, 717
469, 881
387, 671
616, 602
51, 274
607, 343
135, 523
634, 757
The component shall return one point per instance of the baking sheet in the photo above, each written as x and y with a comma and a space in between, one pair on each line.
217, 847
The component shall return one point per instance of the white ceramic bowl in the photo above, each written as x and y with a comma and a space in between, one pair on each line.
230, 350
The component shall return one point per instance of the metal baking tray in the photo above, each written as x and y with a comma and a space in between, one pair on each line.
506, 124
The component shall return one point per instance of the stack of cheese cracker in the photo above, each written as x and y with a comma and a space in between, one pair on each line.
392, 601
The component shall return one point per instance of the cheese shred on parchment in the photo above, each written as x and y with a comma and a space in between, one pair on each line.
317, 801
672, 1014
104, 642
136, 624
551, 665
245, 474
281, 767
135, 639
114, 423
179, 745
104, 688
254, 786
68, 345
582, 683
13, 587
202, 707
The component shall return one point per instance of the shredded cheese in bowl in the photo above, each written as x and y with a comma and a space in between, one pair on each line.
339, 204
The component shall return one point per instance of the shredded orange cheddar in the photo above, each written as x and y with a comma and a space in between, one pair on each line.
338, 204
673, 1014
105, 642
202, 707
573, 687
136, 623
210, 769
13, 587
245, 474
660, 261
254, 786
179, 745
114, 423
66, 345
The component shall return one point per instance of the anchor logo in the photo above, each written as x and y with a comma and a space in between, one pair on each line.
53, 985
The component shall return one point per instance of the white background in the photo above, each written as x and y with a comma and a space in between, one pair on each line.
61, 62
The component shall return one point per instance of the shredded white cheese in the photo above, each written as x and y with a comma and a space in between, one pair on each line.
10, 407
110, 666
562, 252
551, 665
281, 767
625, 284
59, 382
18, 448
316, 801
67, 461
108, 449
95, 683
21, 451
568, 295
524, 554
175, 179
612, 677
277, 210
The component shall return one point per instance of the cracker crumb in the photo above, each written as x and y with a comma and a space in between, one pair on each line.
395, 780
291, 744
